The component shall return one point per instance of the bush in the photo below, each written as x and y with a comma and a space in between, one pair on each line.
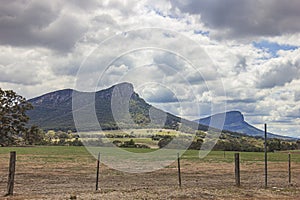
117, 143
164, 142
76, 142
128, 144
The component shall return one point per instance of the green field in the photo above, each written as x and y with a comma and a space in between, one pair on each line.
69, 152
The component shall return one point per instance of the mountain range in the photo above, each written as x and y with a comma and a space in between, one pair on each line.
54, 111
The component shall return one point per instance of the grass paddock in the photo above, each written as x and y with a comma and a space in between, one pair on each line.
58, 172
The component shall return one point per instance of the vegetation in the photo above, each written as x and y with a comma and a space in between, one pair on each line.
240, 142
48, 153
155, 138
64, 171
13, 118
15, 131
53, 111
34, 135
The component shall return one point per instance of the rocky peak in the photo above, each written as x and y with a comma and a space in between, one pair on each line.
53, 98
234, 117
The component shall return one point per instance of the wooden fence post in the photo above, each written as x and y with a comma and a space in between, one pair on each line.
97, 173
290, 170
11, 175
179, 173
266, 158
237, 169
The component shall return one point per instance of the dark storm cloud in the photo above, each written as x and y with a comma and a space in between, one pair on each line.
242, 18
38, 23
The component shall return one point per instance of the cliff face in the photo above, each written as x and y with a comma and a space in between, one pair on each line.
232, 117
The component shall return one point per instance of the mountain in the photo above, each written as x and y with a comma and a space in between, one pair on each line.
55, 111
235, 122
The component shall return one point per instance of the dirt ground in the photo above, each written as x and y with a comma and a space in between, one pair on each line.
38, 179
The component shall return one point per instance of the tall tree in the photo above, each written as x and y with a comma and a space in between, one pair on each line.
13, 117
34, 136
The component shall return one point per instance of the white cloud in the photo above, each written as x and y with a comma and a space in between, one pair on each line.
43, 45
279, 71
158, 94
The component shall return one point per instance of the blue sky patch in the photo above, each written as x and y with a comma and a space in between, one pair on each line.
162, 14
273, 47
200, 32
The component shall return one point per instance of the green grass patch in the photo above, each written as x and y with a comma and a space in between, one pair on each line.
218, 156
146, 141
46, 150
72, 153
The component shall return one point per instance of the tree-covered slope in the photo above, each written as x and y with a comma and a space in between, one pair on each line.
54, 110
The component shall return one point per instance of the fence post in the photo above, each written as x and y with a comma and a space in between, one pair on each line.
266, 158
237, 169
11, 175
97, 173
290, 170
179, 173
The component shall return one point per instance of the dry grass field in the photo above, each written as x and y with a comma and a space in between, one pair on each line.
69, 172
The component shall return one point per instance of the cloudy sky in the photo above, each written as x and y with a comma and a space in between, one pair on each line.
185, 56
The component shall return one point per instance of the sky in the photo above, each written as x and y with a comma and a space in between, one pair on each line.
190, 58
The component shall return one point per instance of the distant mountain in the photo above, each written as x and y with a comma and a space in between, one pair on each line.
54, 111
235, 122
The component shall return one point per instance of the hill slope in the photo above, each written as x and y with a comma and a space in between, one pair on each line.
54, 111
235, 122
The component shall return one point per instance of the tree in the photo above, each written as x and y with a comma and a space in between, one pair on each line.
164, 142
298, 144
196, 144
13, 117
128, 144
274, 145
50, 135
34, 136
62, 136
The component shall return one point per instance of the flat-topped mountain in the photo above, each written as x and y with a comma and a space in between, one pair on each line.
235, 122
